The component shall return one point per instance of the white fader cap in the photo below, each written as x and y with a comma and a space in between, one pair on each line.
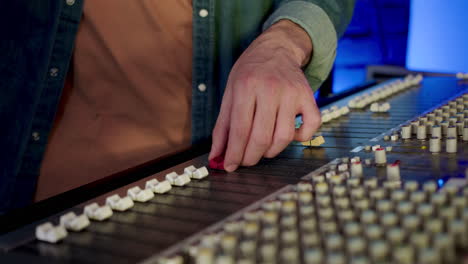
50, 233
434, 144
451, 146
356, 169
344, 110
195, 173
380, 156
189, 170
393, 171
73, 222
96, 212
335, 113
177, 180
436, 131
452, 131
421, 132
159, 187
406, 132
374, 107
460, 75
118, 203
139, 195
385, 107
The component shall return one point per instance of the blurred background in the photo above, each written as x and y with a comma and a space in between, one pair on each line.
389, 36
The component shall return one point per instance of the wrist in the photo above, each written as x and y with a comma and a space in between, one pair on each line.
293, 39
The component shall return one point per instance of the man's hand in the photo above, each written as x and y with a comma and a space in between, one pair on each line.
265, 91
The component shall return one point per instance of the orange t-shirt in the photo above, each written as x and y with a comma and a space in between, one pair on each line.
128, 94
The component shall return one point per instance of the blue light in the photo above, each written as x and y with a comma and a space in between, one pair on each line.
437, 38
440, 182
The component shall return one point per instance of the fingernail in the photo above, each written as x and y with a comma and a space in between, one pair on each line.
231, 167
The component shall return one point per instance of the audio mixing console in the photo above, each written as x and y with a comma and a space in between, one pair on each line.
388, 185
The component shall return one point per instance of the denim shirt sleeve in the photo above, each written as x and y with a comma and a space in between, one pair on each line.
325, 22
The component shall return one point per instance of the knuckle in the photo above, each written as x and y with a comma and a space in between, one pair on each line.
271, 80
240, 132
261, 142
245, 79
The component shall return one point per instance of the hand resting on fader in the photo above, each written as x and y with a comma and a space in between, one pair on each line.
266, 90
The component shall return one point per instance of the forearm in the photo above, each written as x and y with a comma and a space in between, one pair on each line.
292, 38
324, 21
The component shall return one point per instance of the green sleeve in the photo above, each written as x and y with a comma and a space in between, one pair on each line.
325, 21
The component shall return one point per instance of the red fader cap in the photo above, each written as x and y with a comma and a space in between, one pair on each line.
217, 163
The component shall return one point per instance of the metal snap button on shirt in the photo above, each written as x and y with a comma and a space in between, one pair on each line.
36, 136
203, 13
202, 87
53, 72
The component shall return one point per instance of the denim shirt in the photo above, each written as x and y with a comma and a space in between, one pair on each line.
36, 46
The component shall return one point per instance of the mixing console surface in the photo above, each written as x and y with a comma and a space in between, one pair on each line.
385, 187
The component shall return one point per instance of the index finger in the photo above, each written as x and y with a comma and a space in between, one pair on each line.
241, 123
